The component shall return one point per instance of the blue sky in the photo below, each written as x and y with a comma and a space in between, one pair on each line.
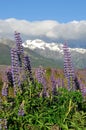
34, 10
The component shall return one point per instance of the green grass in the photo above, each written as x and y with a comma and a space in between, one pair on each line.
63, 112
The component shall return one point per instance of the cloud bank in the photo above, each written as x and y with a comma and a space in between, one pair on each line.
47, 29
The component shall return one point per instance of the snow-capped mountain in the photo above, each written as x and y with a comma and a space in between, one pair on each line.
47, 54
41, 45
55, 51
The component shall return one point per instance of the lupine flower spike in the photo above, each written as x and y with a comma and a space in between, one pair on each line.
54, 84
27, 67
68, 67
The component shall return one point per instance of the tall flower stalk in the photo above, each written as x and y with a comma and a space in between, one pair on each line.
44, 93
15, 69
17, 62
9, 76
19, 48
68, 67
54, 84
27, 67
39, 74
20, 54
5, 91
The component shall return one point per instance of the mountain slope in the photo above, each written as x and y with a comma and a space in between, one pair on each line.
54, 51
36, 59
4, 55
42, 53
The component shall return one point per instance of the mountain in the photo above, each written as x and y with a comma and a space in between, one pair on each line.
36, 59
4, 54
7, 41
42, 53
54, 51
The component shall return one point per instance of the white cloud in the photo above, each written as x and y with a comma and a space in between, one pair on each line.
49, 29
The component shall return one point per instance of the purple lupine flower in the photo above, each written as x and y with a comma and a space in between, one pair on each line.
77, 84
9, 76
20, 54
5, 85
54, 84
39, 74
15, 68
19, 48
58, 82
27, 67
68, 67
83, 90
18, 40
5, 91
44, 93
4, 78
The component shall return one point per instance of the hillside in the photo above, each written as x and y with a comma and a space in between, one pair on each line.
5, 55
42, 53
36, 59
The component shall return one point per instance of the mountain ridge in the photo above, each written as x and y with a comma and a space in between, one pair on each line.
38, 43
47, 54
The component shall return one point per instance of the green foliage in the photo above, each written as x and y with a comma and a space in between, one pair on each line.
59, 112
78, 121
